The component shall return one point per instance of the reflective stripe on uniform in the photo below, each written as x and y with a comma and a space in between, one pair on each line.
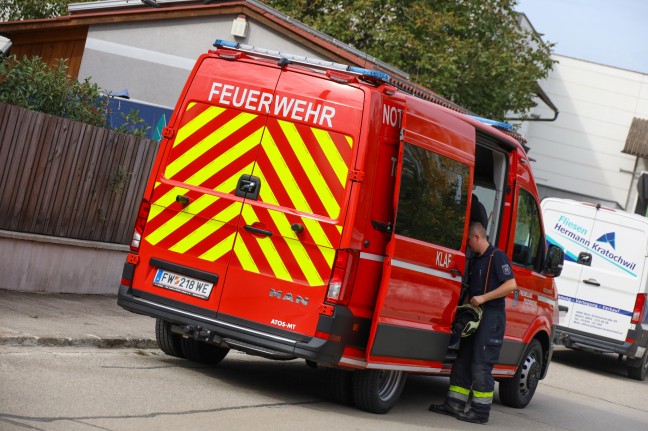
482, 397
458, 393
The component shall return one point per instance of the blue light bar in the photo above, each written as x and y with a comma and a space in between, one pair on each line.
311, 62
497, 124
382, 76
226, 43
268, 53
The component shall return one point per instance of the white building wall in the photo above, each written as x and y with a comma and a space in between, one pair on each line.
153, 60
580, 152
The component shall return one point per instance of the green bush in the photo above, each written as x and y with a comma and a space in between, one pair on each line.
30, 83
16, 10
133, 124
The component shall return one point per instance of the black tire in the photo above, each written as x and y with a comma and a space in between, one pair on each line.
339, 384
637, 368
518, 391
376, 391
167, 341
204, 353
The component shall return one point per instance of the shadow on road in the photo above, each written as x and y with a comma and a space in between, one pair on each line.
295, 382
606, 364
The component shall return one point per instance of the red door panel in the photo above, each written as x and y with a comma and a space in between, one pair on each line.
425, 260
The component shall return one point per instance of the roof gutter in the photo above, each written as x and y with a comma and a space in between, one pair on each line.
547, 101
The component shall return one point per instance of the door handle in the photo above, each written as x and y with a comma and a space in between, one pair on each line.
455, 272
248, 187
257, 230
592, 281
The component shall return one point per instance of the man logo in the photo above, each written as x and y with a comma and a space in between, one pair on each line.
506, 269
288, 297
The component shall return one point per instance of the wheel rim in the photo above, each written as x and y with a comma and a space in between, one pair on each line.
530, 375
388, 384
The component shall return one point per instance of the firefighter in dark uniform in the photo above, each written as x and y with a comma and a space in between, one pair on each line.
490, 280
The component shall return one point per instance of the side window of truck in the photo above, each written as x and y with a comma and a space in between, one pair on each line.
433, 198
527, 248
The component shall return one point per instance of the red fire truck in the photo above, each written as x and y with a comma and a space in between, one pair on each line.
299, 208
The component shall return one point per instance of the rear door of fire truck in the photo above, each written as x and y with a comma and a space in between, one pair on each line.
425, 257
196, 205
250, 204
288, 234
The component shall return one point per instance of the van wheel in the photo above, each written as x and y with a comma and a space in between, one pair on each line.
518, 391
204, 353
637, 368
167, 341
339, 384
376, 391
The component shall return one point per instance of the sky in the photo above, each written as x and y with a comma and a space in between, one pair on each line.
609, 32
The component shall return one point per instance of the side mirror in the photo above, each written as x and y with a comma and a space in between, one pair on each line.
553, 264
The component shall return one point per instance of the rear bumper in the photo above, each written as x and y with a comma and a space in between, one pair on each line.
252, 335
579, 340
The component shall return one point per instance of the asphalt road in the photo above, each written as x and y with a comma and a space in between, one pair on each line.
79, 388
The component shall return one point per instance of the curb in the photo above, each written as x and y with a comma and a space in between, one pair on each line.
103, 343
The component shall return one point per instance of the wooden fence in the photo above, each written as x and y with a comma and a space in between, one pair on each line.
68, 179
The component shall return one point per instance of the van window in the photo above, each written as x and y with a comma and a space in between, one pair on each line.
528, 245
433, 197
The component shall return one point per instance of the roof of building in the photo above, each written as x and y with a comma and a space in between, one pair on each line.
637, 141
32, 34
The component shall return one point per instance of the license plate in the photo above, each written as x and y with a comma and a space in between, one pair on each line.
182, 283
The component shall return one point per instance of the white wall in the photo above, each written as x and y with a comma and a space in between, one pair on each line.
40, 263
153, 59
580, 152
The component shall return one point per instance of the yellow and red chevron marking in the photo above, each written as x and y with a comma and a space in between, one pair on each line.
300, 168
287, 256
210, 234
214, 146
307, 167
200, 230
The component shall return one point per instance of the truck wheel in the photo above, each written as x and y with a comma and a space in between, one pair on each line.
204, 353
518, 391
340, 385
638, 367
167, 341
376, 391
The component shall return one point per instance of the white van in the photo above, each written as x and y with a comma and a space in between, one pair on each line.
602, 288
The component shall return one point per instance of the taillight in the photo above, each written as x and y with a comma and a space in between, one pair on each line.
639, 309
638, 313
342, 277
142, 216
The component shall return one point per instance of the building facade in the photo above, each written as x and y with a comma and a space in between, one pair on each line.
593, 150
588, 142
